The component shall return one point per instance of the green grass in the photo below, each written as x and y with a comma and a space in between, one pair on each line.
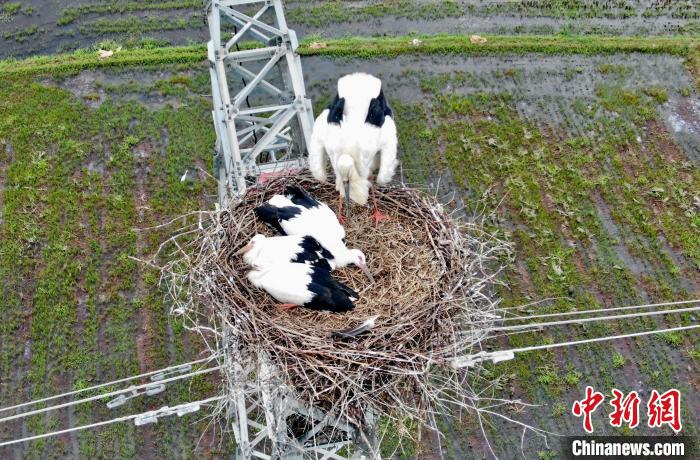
88, 59
11, 8
21, 35
546, 189
614, 69
336, 11
503, 44
70, 286
559, 409
658, 93
138, 25
370, 47
70, 14
618, 360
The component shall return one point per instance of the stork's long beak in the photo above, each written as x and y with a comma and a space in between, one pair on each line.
346, 185
366, 271
245, 249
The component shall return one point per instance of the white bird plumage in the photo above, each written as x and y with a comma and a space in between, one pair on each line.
297, 213
318, 221
358, 135
295, 284
286, 283
264, 250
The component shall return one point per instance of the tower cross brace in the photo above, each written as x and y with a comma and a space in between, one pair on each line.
265, 126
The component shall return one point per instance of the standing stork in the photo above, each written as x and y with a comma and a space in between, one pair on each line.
357, 133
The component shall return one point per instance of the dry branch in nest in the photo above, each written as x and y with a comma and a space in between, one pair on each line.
432, 294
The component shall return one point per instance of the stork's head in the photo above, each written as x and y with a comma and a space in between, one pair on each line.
361, 261
355, 257
248, 251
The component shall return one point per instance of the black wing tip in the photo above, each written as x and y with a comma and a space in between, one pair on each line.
295, 190
348, 291
300, 197
330, 294
378, 110
335, 110
270, 215
264, 211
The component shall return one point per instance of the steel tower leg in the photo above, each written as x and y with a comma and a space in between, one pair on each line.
254, 122
268, 423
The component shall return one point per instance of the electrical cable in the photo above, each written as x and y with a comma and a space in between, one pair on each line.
106, 422
107, 395
102, 385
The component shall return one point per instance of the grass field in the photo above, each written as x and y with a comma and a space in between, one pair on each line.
600, 195
36, 27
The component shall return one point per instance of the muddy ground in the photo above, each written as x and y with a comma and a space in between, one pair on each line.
44, 27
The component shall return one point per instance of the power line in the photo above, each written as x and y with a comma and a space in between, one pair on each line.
166, 411
587, 320
580, 312
504, 355
649, 305
102, 385
601, 339
107, 395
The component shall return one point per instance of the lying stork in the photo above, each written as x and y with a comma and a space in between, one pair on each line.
304, 249
298, 213
357, 133
295, 284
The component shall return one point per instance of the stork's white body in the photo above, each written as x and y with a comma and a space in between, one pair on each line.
304, 285
319, 221
356, 149
298, 213
287, 283
273, 250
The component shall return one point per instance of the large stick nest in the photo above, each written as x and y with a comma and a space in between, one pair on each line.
432, 294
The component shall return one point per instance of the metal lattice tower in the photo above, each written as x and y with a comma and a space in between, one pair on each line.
266, 127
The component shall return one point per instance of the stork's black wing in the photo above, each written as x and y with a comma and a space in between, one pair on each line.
272, 215
313, 253
327, 298
378, 110
335, 110
300, 197
320, 276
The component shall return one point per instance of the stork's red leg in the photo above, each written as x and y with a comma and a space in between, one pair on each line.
340, 215
378, 216
287, 306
